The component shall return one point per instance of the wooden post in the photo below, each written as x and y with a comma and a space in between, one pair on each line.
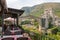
3, 10
2, 23
17, 19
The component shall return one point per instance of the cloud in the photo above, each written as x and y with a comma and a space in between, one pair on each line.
21, 3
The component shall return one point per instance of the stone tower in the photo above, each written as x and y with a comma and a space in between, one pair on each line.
45, 18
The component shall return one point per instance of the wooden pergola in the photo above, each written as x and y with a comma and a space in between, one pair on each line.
9, 12
6, 12
14, 13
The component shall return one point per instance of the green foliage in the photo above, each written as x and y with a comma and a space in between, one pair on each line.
54, 30
55, 33
25, 22
36, 24
35, 33
54, 36
50, 22
38, 36
37, 13
50, 25
57, 11
58, 29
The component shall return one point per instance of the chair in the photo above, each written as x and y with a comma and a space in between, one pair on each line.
22, 38
8, 38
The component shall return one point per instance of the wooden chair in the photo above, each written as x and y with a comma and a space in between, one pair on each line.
8, 39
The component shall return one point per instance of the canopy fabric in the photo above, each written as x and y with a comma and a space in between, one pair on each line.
10, 20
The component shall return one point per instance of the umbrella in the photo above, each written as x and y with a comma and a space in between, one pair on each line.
12, 20
9, 19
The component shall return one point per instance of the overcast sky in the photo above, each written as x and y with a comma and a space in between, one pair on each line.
18, 4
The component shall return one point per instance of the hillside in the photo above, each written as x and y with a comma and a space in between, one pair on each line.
37, 10
27, 10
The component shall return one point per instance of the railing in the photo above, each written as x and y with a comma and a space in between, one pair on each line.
14, 37
44, 37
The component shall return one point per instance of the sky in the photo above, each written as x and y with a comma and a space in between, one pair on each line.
18, 4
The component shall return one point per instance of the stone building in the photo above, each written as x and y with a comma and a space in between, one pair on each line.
57, 21
45, 18
49, 16
29, 17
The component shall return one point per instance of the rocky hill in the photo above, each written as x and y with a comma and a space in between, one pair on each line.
37, 10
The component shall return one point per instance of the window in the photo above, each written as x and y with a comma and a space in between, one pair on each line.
43, 22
